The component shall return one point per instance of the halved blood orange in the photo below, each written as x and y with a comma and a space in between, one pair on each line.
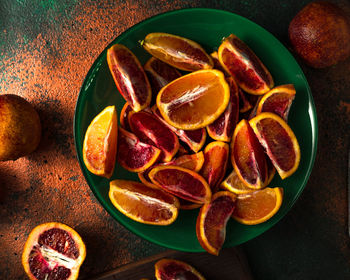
129, 77
258, 206
234, 184
244, 66
222, 128
160, 74
248, 157
212, 220
170, 269
124, 116
279, 141
194, 139
179, 52
133, 155
216, 156
149, 129
143, 204
278, 101
100, 143
194, 100
193, 162
181, 182
53, 251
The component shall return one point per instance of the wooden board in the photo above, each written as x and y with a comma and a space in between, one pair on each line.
230, 264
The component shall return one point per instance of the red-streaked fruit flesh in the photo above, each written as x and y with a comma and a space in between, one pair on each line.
149, 129
244, 66
179, 52
181, 182
53, 251
279, 142
143, 204
216, 155
129, 77
212, 220
124, 116
171, 269
248, 157
222, 128
134, 155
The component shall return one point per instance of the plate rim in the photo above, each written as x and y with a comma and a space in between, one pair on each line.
313, 121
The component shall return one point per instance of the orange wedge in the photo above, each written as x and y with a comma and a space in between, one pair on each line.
170, 269
100, 143
193, 162
143, 204
278, 101
279, 141
234, 184
194, 100
53, 250
257, 207
212, 220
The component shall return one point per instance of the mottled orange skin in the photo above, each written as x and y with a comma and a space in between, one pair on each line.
20, 128
320, 34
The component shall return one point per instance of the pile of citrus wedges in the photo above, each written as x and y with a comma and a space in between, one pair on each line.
180, 96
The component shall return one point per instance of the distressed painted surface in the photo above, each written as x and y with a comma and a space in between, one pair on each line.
46, 49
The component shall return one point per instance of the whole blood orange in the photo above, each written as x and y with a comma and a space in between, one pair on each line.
194, 100
181, 182
143, 204
212, 220
177, 51
53, 251
279, 141
100, 143
170, 269
258, 206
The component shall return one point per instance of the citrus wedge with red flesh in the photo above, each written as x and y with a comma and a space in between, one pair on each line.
181, 182
170, 269
212, 220
278, 101
216, 155
194, 100
194, 139
193, 162
258, 206
53, 251
124, 116
279, 141
100, 143
222, 128
248, 157
244, 66
179, 52
129, 77
134, 155
234, 184
143, 204
149, 129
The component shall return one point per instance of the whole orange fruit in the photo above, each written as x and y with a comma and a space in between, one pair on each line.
20, 128
320, 34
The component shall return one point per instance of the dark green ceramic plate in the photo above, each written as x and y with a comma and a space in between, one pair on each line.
207, 27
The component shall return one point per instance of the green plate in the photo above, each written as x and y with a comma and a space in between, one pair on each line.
207, 27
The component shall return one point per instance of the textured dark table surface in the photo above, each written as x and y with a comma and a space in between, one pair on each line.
46, 49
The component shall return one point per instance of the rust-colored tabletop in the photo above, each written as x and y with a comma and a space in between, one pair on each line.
46, 49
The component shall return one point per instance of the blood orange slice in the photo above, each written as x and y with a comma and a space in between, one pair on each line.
193, 162
133, 155
124, 116
194, 100
278, 101
129, 77
181, 182
100, 143
170, 269
53, 251
143, 204
279, 141
234, 184
212, 220
258, 206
